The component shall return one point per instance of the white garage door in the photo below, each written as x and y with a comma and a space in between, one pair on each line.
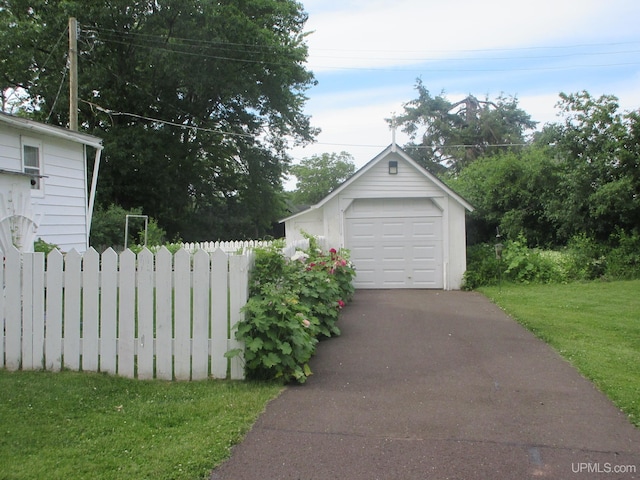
395, 243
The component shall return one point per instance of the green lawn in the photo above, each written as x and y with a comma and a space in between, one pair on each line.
596, 326
79, 425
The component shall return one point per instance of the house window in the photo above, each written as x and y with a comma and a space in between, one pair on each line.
32, 163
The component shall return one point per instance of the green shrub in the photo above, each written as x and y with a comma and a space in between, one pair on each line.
583, 259
44, 247
525, 265
483, 268
108, 225
623, 261
292, 303
588, 260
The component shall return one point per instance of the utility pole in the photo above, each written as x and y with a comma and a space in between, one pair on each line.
73, 74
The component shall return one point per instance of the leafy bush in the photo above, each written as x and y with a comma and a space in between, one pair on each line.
44, 247
108, 226
588, 260
623, 261
525, 265
583, 259
292, 303
483, 268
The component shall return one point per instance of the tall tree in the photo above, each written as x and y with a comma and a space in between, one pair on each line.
319, 175
599, 150
196, 100
509, 191
453, 134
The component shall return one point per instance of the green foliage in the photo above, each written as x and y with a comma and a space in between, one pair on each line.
44, 247
525, 265
292, 303
155, 235
509, 191
456, 134
587, 258
196, 101
108, 226
623, 260
597, 150
583, 259
483, 268
319, 175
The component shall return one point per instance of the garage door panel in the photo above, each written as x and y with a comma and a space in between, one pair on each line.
427, 230
401, 251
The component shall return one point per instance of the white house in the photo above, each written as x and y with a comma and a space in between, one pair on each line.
403, 226
44, 189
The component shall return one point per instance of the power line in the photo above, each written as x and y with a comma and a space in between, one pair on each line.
480, 50
165, 122
253, 49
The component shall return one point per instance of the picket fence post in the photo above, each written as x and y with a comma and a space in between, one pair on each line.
219, 309
13, 312
145, 335
147, 316
164, 313
126, 314
90, 315
53, 340
109, 312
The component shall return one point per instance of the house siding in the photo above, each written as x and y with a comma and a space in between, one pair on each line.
64, 205
61, 206
10, 157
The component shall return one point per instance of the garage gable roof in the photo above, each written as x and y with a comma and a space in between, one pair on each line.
393, 148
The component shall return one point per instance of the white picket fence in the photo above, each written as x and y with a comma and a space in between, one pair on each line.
246, 245
233, 246
147, 316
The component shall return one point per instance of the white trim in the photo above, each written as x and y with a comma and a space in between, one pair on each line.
37, 144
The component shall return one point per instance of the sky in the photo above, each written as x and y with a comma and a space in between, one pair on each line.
367, 55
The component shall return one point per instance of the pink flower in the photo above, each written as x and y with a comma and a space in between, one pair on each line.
306, 323
341, 304
333, 250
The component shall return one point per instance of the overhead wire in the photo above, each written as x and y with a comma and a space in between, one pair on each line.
165, 122
184, 46
249, 49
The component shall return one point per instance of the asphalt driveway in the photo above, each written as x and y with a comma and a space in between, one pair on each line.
436, 385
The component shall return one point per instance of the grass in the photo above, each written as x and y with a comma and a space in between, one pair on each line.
78, 425
595, 326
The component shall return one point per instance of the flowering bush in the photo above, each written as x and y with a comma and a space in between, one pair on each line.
292, 302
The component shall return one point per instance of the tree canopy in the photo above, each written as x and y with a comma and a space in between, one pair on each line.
454, 134
580, 176
319, 175
196, 100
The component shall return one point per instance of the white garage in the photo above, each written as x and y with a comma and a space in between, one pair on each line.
403, 226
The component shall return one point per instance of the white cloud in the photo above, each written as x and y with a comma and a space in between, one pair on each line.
355, 34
